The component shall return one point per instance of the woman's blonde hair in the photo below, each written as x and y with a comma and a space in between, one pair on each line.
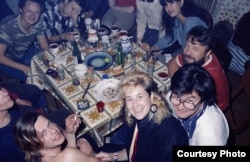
137, 78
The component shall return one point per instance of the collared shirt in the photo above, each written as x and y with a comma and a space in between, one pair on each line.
180, 31
148, 15
53, 21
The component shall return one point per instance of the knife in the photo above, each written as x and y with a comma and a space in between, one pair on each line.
86, 90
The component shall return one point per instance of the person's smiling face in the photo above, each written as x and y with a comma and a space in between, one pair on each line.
174, 8
138, 102
186, 105
194, 52
30, 13
48, 132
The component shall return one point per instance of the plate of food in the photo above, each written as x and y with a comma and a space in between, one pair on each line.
99, 60
107, 90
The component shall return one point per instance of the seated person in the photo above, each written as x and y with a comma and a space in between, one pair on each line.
178, 17
198, 49
193, 103
239, 45
61, 19
9, 114
122, 13
42, 140
147, 116
17, 36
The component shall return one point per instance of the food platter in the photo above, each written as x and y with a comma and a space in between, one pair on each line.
107, 90
99, 60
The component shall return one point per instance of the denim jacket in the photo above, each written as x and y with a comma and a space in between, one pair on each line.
180, 30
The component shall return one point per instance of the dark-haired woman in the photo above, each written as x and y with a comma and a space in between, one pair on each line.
178, 17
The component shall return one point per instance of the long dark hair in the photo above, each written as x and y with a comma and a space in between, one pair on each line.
188, 9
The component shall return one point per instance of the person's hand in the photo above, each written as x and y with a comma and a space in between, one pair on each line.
22, 102
72, 122
26, 69
68, 36
155, 51
138, 41
105, 156
84, 146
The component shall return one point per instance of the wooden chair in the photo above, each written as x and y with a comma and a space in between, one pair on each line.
244, 85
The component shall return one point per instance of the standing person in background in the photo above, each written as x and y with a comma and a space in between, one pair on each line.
178, 17
152, 130
148, 19
199, 50
122, 13
17, 36
61, 19
42, 140
193, 103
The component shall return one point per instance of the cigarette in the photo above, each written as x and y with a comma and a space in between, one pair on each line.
76, 113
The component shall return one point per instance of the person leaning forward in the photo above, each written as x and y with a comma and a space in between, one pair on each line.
17, 36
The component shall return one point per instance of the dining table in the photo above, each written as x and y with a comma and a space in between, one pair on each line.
98, 123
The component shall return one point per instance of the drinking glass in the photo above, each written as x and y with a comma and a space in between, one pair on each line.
150, 69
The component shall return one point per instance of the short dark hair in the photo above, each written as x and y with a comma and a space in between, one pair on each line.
21, 3
192, 77
202, 35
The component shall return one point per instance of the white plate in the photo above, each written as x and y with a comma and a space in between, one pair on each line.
107, 90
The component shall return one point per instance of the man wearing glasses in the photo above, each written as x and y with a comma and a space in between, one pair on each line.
193, 103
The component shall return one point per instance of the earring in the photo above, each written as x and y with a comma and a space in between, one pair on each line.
154, 108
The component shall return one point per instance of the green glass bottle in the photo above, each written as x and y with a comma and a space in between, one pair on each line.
76, 52
119, 55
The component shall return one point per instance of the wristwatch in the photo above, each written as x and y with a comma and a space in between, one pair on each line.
115, 156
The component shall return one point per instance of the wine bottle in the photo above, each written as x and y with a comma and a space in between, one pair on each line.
77, 53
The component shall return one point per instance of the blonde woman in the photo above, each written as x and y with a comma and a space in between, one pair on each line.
152, 130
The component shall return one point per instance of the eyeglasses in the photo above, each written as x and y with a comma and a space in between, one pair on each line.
186, 103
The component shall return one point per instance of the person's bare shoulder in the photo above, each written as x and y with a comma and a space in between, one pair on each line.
73, 154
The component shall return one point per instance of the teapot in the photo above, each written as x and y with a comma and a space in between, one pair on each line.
126, 43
